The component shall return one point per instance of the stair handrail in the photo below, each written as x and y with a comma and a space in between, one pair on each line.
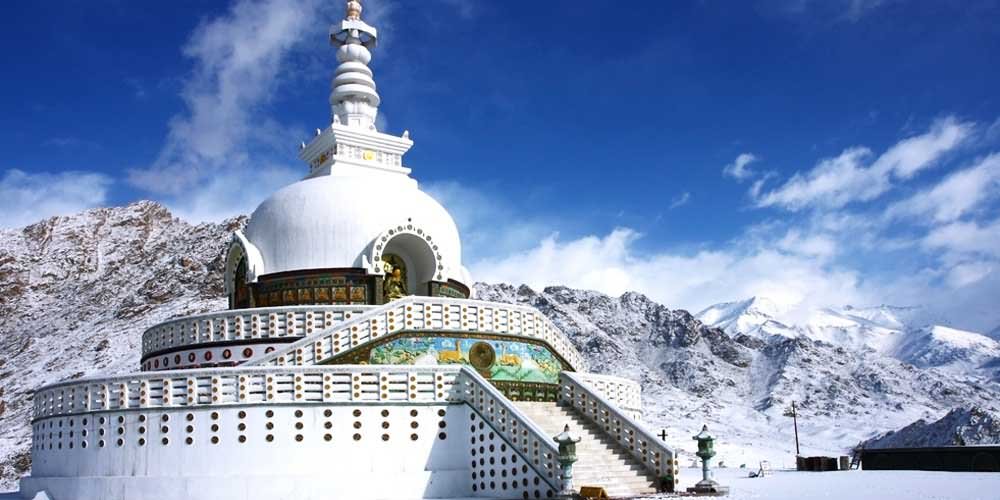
323, 343
304, 351
507, 421
651, 452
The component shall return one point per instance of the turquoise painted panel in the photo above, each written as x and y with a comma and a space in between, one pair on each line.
511, 361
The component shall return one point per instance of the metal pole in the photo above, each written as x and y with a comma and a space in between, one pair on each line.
795, 423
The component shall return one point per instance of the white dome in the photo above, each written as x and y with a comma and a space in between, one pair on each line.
333, 221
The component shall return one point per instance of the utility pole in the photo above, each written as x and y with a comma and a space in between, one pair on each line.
795, 423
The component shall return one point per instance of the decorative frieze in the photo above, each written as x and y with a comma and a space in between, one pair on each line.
357, 154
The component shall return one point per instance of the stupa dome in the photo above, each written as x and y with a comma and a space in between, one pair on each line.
335, 222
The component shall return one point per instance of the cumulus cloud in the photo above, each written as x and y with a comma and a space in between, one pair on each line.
966, 238
738, 169
613, 264
955, 196
27, 197
853, 177
223, 135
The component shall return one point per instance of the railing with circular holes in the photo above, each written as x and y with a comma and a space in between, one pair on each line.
245, 324
425, 314
535, 446
246, 385
642, 444
623, 393
308, 385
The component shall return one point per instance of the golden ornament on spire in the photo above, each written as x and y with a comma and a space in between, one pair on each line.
354, 10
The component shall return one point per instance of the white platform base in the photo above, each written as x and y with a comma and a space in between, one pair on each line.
400, 486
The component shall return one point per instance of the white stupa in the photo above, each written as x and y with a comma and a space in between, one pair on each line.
352, 362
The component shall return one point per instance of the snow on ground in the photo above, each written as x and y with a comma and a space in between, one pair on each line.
853, 485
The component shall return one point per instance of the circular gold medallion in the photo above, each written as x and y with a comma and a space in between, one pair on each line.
368, 155
482, 356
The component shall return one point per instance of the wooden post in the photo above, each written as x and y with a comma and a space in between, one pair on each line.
795, 424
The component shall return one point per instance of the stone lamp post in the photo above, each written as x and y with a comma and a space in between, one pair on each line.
567, 456
706, 450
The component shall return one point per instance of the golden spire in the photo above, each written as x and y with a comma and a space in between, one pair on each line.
354, 10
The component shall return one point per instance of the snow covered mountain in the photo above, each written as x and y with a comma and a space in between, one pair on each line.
961, 426
76, 293
754, 316
741, 384
892, 331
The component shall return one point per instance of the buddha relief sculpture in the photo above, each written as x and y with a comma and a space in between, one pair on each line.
394, 286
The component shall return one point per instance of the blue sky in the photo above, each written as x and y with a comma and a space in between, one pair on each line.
816, 152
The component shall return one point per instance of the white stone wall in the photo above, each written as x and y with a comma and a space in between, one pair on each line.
364, 451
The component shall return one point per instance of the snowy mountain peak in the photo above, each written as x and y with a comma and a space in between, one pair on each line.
943, 347
884, 316
895, 331
745, 316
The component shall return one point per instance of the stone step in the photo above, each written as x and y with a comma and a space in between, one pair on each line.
603, 461
597, 465
631, 481
615, 471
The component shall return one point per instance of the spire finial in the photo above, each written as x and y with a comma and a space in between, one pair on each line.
354, 9
354, 100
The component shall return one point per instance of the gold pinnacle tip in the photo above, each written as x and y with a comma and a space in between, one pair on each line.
354, 10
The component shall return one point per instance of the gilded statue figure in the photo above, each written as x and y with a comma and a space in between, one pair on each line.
394, 286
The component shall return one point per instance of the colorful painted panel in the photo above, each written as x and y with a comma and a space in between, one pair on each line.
495, 359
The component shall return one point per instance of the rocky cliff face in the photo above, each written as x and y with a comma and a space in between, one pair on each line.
77, 292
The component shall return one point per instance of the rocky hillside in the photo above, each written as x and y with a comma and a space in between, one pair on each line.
961, 427
76, 292
903, 333
742, 384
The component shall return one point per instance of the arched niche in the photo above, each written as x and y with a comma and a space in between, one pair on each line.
243, 264
418, 252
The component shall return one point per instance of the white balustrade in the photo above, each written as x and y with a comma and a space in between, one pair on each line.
623, 393
420, 314
653, 453
243, 324
259, 385
511, 424
210, 389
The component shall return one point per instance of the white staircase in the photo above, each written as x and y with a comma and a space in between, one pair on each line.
600, 460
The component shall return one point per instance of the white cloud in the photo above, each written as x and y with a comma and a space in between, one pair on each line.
612, 264
219, 148
836, 182
680, 200
968, 273
27, 197
955, 196
224, 153
489, 225
966, 238
738, 169
814, 245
